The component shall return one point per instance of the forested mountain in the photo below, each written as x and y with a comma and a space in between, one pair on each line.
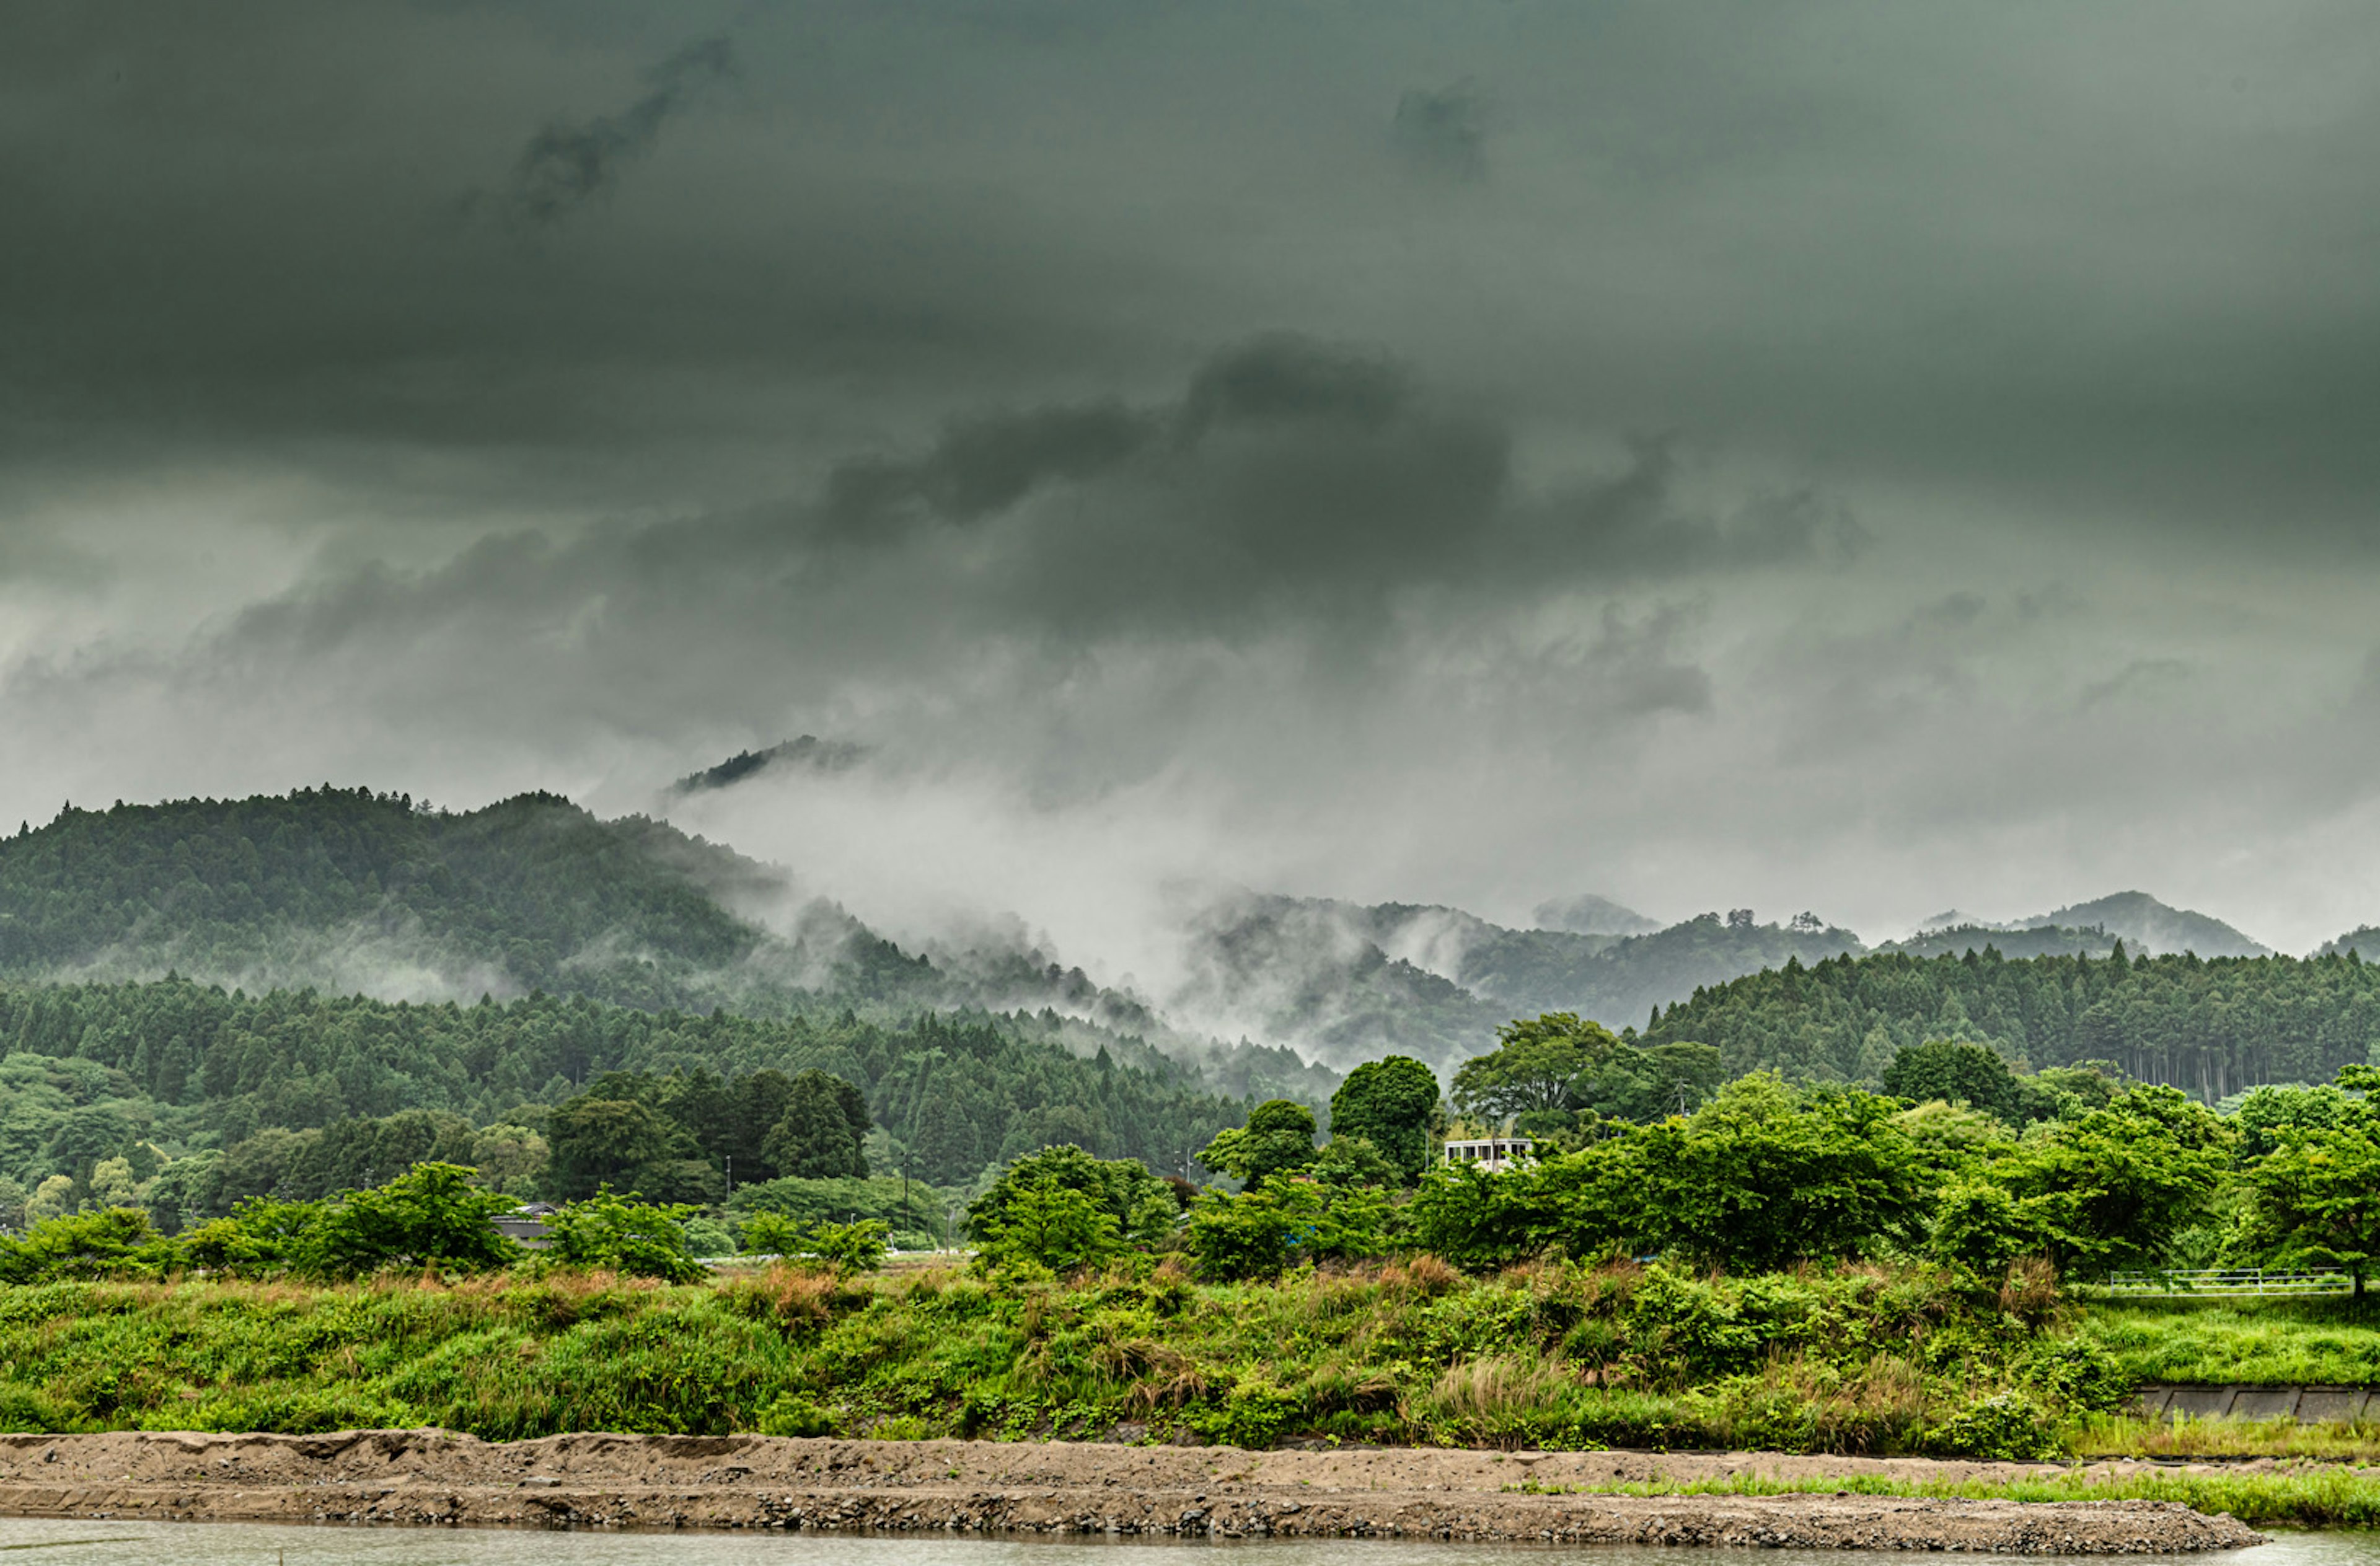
101, 1071
2209, 1027
1350, 982
808, 752
2145, 925
361, 893
1590, 915
2038, 941
2363, 940
1618, 982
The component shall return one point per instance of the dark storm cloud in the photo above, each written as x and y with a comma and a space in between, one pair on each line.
1821, 423
1443, 133
984, 465
566, 166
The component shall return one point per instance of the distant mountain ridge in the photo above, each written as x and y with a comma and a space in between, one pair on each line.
2143, 923
1346, 981
2139, 920
1590, 915
2037, 940
807, 751
349, 892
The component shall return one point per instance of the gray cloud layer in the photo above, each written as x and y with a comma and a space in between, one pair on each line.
1861, 458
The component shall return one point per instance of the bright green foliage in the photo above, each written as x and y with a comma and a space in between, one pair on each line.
1278, 1140
1765, 1176
116, 1244
1533, 1066
432, 1216
2265, 1114
1761, 1176
2102, 1191
302, 1095
1858, 1359
1261, 1232
1140, 1207
1551, 1073
768, 1234
707, 1237
2317, 1192
1392, 1104
2212, 1027
637, 1238
1352, 1160
262, 1238
849, 1249
1051, 1225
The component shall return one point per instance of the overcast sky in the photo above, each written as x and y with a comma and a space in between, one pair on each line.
1867, 458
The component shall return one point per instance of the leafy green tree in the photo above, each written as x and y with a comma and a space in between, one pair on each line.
1534, 1066
1393, 1104
2315, 1197
511, 1158
1260, 1232
611, 1233
1051, 1225
1481, 1221
1956, 1073
1278, 1138
1352, 1160
262, 1238
116, 1244
819, 1134
2115, 1187
849, 1249
432, 1216
594, 1141
1140, 1207
2267, 1115
1766, 1175
772, 1234
1627, 1083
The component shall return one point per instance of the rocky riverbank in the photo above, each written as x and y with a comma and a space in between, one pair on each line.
436, 1477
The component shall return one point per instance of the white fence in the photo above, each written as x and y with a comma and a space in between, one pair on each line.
2219, 1282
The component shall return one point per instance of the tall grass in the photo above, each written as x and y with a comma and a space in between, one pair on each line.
2329, 1497
1844, 1359
2281, 1341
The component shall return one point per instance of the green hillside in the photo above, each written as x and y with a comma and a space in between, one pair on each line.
151, 1072
2209, 1027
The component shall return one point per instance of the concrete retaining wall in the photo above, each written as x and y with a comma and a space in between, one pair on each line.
2307, 1406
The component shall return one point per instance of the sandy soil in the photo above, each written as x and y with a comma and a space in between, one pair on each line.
433, 1476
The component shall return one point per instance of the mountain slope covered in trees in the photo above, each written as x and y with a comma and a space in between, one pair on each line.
1351, 982
147, 1072
2211, 1028
348, 891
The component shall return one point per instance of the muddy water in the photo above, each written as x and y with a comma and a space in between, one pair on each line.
33, 1541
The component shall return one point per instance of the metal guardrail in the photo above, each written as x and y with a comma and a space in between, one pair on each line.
2230, 1282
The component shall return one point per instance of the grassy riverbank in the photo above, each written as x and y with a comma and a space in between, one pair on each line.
2319, 1497
2282, 1343
1846, 1359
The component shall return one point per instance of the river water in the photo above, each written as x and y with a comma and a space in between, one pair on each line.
33, 1541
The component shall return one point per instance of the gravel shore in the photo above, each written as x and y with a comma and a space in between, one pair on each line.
437, 1478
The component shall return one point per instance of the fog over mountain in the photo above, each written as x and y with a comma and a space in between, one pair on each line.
1849, 458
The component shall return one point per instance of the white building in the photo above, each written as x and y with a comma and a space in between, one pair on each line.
1492, 1153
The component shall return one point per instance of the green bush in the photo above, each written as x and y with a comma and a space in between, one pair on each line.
637, 1238
432, 1216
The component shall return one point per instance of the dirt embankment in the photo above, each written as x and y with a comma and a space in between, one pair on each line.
432, 1476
